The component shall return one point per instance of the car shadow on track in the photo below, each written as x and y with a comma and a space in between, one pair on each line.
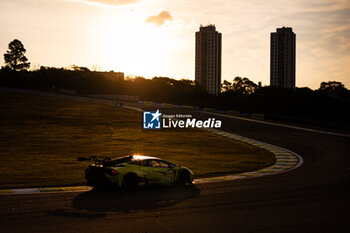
126, 201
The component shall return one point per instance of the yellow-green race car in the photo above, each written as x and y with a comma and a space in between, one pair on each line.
132, 171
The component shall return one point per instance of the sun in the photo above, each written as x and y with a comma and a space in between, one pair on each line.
134, 46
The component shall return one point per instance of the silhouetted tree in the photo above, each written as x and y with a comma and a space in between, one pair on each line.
240, 86
226, 86
15, 58
334, 89
79, 68
331, 86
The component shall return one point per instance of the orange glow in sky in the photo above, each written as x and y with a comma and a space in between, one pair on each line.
157, 38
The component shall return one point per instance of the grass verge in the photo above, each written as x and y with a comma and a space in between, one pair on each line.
40, 138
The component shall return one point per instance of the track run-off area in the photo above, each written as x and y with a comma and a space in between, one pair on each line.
285, 160
308, 198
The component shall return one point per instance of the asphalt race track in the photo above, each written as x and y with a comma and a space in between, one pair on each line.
312, 198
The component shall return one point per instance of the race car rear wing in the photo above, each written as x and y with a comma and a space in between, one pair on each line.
95, 159
106, 161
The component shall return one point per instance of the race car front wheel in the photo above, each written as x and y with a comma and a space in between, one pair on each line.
183, 177
130, 182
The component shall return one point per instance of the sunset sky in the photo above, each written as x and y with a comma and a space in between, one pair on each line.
157, 37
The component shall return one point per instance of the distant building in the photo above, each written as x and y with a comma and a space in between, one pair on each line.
208, 59
282, 60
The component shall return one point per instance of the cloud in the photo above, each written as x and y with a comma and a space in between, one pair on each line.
160, 19
113, 2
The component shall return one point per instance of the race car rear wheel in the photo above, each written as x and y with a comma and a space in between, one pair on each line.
130, 182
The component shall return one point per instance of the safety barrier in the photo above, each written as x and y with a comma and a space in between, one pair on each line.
209, 109
233, 113
258, 116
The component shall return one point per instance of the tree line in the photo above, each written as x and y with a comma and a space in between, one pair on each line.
328, 105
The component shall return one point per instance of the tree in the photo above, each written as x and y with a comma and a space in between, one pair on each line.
240, 86
335, 89
226, 86
15, 58
79, 68
331, 86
